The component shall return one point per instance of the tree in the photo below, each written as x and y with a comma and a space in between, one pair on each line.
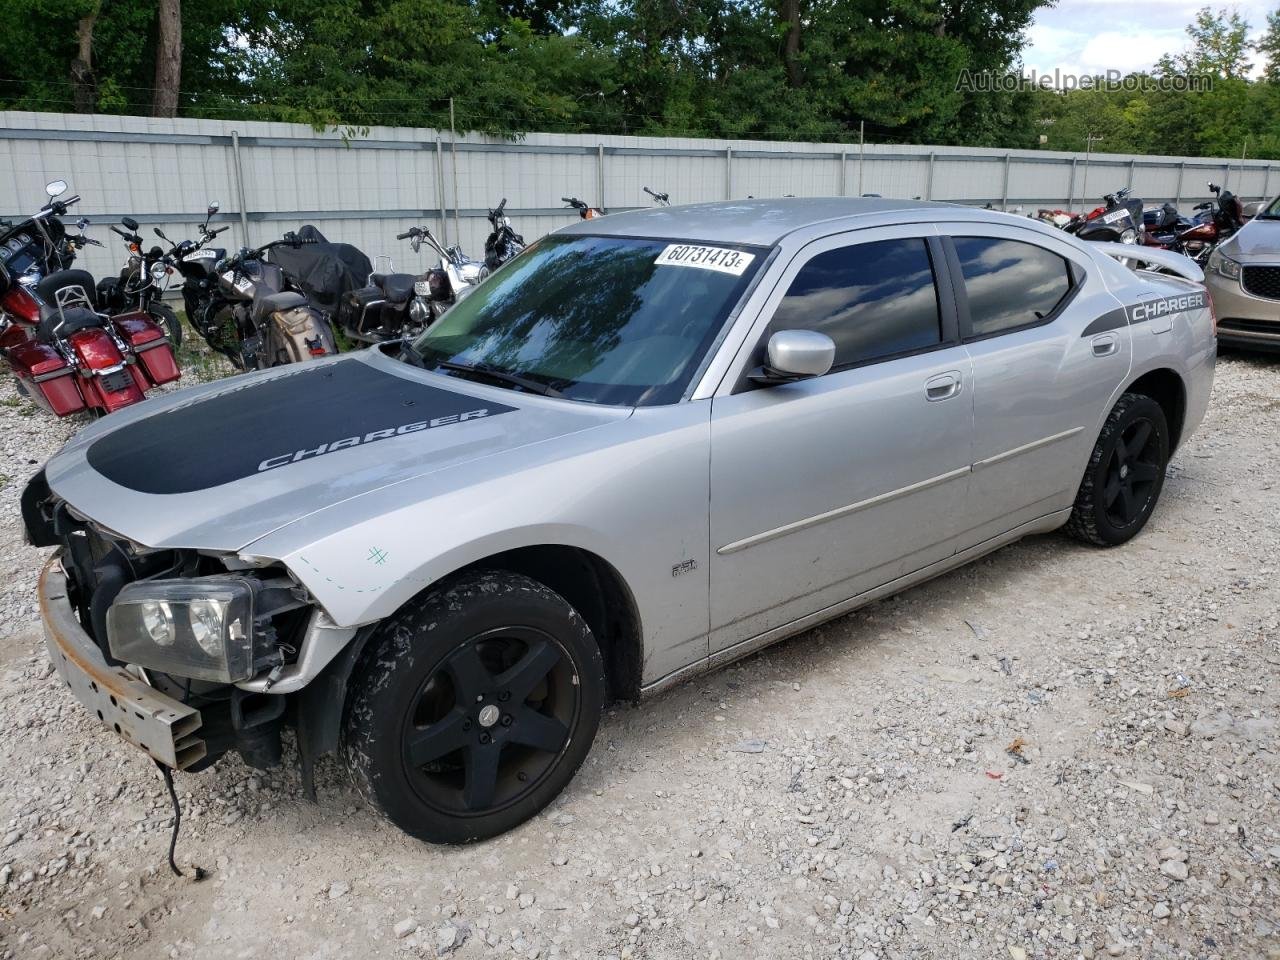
168, 58
82, 82
1269, 47
1219, 48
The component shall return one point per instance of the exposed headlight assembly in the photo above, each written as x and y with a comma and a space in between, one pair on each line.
1224, 265
1129, 236
201, 628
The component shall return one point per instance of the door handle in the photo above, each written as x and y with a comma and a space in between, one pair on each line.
1104, 345
942, 387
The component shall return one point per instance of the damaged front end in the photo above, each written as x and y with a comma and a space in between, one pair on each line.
179, 651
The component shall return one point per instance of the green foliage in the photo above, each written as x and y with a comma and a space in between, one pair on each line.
777, 69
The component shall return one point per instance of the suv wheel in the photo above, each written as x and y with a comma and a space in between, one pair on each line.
1125, 473
473, 707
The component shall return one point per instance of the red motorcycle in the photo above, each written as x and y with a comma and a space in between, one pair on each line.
1216, 220
68, 357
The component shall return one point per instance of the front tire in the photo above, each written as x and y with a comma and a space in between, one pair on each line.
1125, 474
473, 707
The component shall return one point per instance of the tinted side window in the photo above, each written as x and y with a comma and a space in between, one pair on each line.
1010, 284
873, 299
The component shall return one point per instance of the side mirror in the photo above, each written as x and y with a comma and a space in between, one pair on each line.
160, 234
797, 355
213, 207
130, 223
56, 189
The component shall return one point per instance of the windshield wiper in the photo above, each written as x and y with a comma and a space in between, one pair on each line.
500, 376
410, 355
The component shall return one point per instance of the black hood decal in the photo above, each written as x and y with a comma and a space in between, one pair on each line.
262, 426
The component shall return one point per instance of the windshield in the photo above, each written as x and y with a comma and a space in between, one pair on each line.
610, 320
1272, 210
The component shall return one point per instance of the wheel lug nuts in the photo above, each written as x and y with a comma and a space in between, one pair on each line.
506, 721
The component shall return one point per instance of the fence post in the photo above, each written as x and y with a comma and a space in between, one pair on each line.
235, 156
862, 151
444, 217
844, 161
600, 176
728, 173
928, 184
1132, 167
1071, 185
1182, 169
1004, 193
1266, 183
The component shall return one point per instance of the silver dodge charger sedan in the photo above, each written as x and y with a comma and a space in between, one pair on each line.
1243, 277
651, 444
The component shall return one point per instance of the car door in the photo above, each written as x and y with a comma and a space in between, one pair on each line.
825, 488
1042, 379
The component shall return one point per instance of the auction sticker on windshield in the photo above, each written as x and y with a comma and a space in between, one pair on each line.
719, 259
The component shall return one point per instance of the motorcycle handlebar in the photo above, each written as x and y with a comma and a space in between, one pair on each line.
116, 230
217, 230
407, 235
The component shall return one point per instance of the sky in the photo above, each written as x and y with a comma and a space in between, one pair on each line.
1092, 36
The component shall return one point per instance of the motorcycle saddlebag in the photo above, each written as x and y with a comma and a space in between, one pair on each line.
360, 310
115, 383
47, 378
150, 346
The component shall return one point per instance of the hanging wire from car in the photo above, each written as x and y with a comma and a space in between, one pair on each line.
198, 873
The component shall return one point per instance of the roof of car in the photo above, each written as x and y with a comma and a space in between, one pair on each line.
763, 222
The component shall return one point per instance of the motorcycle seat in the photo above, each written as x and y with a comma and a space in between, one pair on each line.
47, 289
264, 306
396, 287
65, 322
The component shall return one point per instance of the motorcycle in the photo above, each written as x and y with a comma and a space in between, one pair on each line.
66, 355
1216, 220
146, 275
254, 300
659, 199
396, 306
1119, 220
503, 243
584, 211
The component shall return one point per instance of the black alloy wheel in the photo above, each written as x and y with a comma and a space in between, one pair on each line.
491, 721
473, 706
1125, 474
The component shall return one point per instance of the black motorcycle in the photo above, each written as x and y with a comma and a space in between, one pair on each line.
147, 273
1119, 220
503, 243
249, 310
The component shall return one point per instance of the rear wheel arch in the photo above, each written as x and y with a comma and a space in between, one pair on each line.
1167, 388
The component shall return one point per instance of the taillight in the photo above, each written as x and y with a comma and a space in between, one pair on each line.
1213, 314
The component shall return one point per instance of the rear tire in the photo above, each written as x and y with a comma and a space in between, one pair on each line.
473, 707
1125, 474
168, 321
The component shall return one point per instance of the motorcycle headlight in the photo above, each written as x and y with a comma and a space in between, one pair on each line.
200, 628
1224, 265
1129, 236
159, 271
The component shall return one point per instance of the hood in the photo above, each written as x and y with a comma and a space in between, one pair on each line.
1257, 240
224, 465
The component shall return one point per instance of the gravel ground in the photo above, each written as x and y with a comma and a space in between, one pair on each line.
1056, 752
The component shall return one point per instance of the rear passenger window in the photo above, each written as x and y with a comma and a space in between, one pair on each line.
873, 299
1010, 284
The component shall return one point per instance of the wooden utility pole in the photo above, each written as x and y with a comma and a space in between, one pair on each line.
168, 59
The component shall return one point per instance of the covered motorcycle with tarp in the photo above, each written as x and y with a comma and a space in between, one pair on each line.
324, 271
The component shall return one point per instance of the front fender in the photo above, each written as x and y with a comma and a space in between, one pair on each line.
634, 495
